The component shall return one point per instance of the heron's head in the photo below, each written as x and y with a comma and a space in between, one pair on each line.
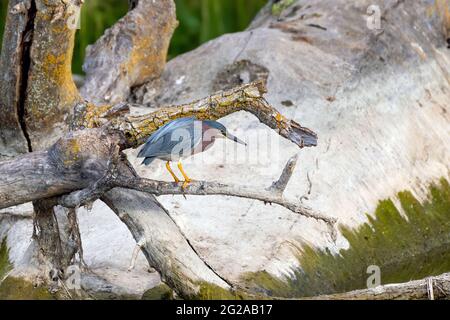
220, 131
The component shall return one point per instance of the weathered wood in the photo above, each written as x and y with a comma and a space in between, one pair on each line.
131, 52
412, 290
248, 97
336, 77
272, 194
16, 40
78, 148
46, 98
72, 163
51, 93
377, 98
160, 239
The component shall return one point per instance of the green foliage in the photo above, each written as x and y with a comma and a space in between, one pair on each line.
210, 291
405, 248
203, 20
200, 21
3, 10
277, 8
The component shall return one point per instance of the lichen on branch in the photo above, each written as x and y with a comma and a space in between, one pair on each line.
248, 97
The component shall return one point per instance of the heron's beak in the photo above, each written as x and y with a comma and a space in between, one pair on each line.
235, 139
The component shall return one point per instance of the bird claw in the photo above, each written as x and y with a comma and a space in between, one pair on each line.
185, 184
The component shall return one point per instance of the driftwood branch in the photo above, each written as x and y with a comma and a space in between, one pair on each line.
97, 189
429, 288
216, 188
249, 97
132, 51
273, 194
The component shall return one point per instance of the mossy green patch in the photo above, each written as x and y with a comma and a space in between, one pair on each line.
12, 288
404, 248
161, 292
210, 291
278, 8
17, 289
5, 265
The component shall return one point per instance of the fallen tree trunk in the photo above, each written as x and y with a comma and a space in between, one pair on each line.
425, 289
166, 248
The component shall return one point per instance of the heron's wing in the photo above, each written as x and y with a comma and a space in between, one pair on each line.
161, 132
178, 133
170, 126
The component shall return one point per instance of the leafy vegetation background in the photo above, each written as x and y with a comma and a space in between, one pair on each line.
200, 21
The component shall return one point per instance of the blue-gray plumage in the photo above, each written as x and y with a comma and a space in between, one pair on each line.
180, 139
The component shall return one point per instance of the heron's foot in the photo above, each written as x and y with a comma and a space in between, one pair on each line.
186, 184
187, 180
175, 178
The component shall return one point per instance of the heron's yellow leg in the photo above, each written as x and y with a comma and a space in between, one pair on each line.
171, 172
187, 180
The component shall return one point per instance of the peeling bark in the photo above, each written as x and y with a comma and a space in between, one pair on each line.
47, 236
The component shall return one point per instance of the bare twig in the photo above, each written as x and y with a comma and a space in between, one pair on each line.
274, 194
215, 188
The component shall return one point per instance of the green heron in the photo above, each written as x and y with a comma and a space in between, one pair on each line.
182, 138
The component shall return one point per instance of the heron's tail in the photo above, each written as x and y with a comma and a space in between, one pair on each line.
148, 160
